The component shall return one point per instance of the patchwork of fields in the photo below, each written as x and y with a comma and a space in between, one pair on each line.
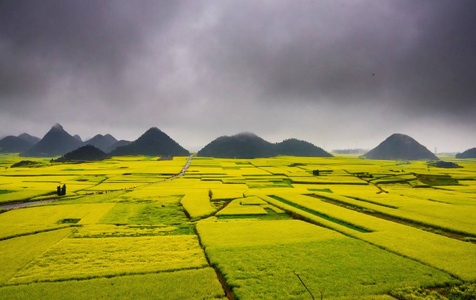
274, 228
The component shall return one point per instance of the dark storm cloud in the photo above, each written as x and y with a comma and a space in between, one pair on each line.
419, 54
43, 41
199, 69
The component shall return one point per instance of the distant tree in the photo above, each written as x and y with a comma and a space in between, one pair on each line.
58, 190
315, 172
210, 194
63, 190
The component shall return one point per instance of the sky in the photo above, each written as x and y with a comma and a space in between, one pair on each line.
339, 74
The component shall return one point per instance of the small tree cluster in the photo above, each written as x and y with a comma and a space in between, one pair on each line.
61, 191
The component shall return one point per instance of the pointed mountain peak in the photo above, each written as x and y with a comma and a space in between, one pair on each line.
153, 133
153, 130
152, 142
400, 146
55, 142
57, 126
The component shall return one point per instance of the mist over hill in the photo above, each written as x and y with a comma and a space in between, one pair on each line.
249, 145
350, 151
153, 142
242, 145
400, 146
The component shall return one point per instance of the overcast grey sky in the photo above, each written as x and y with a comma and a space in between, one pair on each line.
339, 74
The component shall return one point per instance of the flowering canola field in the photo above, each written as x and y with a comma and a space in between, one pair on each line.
271, 228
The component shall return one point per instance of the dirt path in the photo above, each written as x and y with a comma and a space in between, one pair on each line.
24, 204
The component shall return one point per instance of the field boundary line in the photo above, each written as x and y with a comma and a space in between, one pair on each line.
228, 292
322, 215
46, 250
37, 231
99, 276
446, 232
302, 216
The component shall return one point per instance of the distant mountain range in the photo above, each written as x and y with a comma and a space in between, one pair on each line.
55, 143
154, 142
470, 153
249, 145
400, 147
14, 144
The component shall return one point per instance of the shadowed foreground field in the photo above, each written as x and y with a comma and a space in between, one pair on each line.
247, 228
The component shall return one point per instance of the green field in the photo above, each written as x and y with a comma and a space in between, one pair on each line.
237, 228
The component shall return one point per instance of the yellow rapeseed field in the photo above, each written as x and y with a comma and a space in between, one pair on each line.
268, 228
92, 257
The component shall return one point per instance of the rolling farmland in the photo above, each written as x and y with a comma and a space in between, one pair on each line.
268, 228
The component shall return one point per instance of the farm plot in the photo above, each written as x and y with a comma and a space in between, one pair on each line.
185, 284
257, 257
40, 218
149, 194
454, 256
197, 204
457, 218
145, 214
236, 207
19, 251
105, 230
17, 188
88, 258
